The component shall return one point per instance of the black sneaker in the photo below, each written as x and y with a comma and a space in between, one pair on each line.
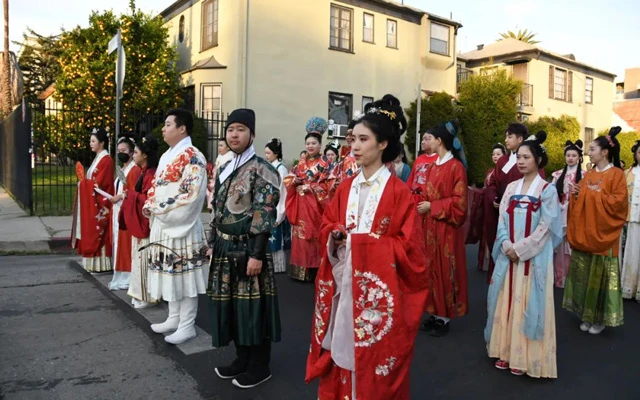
428, 324
229, 372
249, 380
440, 328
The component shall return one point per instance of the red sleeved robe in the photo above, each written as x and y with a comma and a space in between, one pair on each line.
304, 207
387, 262
95, 212
131, 212
498, 182
446, 189
122, 261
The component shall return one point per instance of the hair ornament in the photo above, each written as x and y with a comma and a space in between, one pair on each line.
610, 141
391, 114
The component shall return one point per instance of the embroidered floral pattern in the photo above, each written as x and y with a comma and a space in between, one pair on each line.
385, 369
376, 306
383, 225
321, 309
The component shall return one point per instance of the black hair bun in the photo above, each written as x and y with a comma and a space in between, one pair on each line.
569, 143
613, 132
390, 101
541, 136
579, 143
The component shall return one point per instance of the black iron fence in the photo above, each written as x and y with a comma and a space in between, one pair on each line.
15, 168
462, 75
61, 137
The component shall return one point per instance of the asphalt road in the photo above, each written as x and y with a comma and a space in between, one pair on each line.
63, 336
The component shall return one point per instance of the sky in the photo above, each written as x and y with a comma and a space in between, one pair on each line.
604, 34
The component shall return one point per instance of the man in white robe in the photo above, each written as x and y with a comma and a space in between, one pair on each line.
178, 269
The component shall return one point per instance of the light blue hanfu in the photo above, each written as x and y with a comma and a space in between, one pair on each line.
534, 248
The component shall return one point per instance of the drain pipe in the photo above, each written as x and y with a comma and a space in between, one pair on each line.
455, 42
246, 57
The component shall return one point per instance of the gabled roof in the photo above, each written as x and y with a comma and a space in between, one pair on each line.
513, 50
47, 92
629, 111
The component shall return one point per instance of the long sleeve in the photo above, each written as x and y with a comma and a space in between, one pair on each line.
281, 208
190, 185
103, 179
453, 210
502, 242
550, 224
266, 194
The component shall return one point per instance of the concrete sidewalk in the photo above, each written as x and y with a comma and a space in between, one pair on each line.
22, 233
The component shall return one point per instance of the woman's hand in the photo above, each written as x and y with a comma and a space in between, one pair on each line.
254, 267
424, 207
512, 255
574, 188
116, 199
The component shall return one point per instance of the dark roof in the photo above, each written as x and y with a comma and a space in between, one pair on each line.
209, 63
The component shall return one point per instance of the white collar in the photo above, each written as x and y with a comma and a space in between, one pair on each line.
222, 159
572, 168
444, 159
532, 187
95, 162
513, 158
238, 161
604, 169
360, 179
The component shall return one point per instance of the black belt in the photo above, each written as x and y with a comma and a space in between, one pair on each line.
233, 238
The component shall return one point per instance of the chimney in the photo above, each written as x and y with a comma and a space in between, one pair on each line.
480, 46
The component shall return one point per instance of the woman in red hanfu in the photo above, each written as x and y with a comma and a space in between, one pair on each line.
122, 245
485, 206
146, 158
308, 185
91, 229
444, 209
371, 285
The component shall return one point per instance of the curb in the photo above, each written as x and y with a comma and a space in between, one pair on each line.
35, 246
60, 245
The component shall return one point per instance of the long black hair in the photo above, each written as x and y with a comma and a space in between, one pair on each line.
534, 143
149, 146
634, 148
610, 143
569, 145
448, 133
385, 118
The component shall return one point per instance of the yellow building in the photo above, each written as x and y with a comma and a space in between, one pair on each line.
554, 84
290, 60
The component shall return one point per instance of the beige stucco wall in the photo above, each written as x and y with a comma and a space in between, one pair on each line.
291, 70
596, 115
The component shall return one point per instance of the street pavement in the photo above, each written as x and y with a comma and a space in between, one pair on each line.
63, 335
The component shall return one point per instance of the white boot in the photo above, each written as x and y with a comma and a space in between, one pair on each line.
171, 324
186, 328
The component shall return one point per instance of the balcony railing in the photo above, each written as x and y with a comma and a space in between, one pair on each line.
462, 75
525, 99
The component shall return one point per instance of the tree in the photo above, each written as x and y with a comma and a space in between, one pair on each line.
626, 140
86, 82
489, 104
434, 109
559, 130
523, 36
7, 105
39, 62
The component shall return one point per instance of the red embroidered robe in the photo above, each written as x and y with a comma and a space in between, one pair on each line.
387, 262
95, 212
446, 189
304, 207
498, 182
123, 256
131, 216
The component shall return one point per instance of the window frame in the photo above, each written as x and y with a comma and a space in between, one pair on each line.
215, 25
340, 38
350, 106
373, 28
431, 39
181, 28
363, 103
590, 132
202, 98
556, 84
588, 93
395, 22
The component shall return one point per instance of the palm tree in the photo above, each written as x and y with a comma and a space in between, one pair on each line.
522, 35
6, 73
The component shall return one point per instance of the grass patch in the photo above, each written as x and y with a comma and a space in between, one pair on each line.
54, 188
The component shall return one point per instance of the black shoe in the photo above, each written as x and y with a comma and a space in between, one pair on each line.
440, 328
228, 372
428, 324
249, 380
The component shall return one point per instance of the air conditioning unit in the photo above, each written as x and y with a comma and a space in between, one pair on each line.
337, 131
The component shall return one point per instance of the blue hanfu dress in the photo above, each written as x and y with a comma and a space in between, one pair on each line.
521, 318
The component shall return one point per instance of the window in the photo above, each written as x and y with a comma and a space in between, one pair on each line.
439, 39
588, 135
209, 24
367, 28
392, 33
211, 108
560, 84
588, 95
366, 100
340, 106
181, 30
341, 28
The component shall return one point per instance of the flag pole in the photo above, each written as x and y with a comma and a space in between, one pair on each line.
418, 109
